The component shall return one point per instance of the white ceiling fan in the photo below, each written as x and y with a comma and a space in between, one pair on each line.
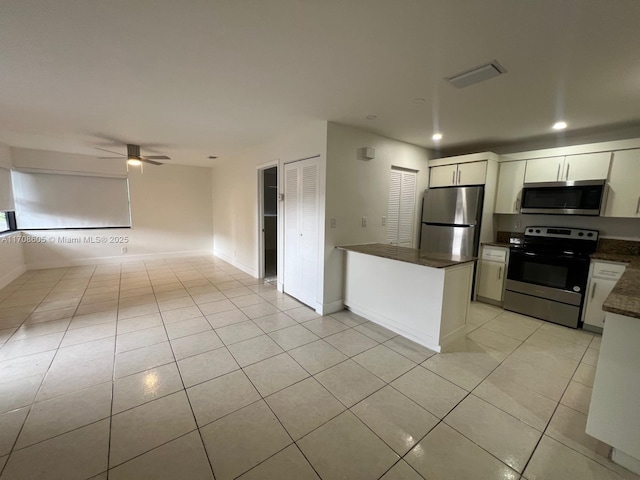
133, 156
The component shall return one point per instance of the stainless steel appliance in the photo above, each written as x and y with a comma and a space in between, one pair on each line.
567, 198
548, 272
451, 220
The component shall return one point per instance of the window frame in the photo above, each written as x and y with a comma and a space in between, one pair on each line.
11, 222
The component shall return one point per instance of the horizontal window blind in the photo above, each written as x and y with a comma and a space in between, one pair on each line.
6, 192
47, 200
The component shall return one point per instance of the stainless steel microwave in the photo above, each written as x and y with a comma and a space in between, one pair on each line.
564, 198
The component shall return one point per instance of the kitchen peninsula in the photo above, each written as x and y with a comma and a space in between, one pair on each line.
421, 296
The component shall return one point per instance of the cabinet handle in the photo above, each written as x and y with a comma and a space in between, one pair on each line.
500, 273
568, 167
453, 178
608, 272
638, 206
593, 290
558, 174
459, 176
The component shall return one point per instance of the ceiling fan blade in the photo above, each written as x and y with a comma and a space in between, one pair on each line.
156, 157
109, 151
149, 161
111, 158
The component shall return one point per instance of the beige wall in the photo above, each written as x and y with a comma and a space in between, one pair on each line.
359, 188
12, 263
235, 194
170, 209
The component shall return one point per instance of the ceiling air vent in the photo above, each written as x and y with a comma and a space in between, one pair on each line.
476, 75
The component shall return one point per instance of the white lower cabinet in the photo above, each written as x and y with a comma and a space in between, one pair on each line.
603, 276
493, 270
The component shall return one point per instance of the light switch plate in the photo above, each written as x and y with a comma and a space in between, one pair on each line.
364, 221
333, 222
384, 221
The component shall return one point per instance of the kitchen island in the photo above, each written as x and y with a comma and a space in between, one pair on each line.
421, 296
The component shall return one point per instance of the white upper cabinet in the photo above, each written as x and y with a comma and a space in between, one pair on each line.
443, 176
623, 199
471, 173
585, 166
510, 182
544, 170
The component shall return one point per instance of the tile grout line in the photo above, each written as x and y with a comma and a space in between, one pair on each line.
46, 372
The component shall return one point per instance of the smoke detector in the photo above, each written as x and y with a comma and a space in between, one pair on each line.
476, 75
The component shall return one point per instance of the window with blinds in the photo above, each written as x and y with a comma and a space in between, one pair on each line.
50, 201
401, 207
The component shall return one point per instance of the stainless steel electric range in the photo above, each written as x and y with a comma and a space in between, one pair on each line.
548, 273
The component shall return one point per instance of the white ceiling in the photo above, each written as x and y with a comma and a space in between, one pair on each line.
210, 77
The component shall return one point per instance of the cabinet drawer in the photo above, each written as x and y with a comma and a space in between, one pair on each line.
612, 271
494, 254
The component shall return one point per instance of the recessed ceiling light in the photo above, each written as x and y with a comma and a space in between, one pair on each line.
560, 125
212, 157
418, 100
436, 136
371, 117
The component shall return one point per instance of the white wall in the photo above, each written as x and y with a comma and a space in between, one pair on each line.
12, 263
235, 194
360, 188
170, 209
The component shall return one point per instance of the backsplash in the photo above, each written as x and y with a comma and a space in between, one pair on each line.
620, 247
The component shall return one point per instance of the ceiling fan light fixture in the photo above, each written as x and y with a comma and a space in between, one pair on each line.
134, 162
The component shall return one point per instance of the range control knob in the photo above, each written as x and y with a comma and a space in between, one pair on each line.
537, 230
531, 230
590, 234
580, 234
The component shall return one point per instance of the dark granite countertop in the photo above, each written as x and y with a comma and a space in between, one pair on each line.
409, 255
624, 299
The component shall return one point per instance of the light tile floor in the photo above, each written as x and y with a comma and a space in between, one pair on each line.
189, 368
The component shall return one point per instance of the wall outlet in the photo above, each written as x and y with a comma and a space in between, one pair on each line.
334, 222
364, 221
384, 221
124, 249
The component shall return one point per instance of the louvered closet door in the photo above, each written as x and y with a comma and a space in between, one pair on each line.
302, 182
401, 208
292, 271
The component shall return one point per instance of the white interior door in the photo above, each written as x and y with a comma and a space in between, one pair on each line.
292, 270
301, 249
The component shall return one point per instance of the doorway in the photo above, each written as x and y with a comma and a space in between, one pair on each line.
269, 201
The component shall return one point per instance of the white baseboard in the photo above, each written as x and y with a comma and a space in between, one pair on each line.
245, 268
115, 259
424, 340
331, 307
9, 277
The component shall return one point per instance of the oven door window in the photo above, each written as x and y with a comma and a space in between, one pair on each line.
555, 271
544, 274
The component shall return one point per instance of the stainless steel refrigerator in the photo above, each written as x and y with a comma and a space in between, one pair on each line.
451, 220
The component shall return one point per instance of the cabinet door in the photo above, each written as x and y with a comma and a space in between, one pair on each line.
491, 280
587, 166
623, 199
544, 170
599, 290
510, 183
443, 176
473, 173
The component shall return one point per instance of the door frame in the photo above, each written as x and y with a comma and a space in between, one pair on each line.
260, 220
